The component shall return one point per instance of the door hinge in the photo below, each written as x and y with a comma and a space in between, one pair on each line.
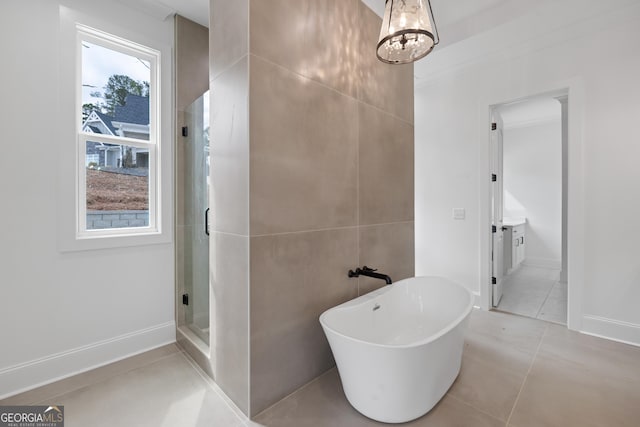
185, 131
494, 177
494, 126
494, 229
494, 281
185, 299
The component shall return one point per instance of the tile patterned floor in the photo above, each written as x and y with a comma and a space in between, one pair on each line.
535, 292
515, 371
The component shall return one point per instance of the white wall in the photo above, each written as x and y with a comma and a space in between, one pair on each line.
64, 312
533, 187
601, 68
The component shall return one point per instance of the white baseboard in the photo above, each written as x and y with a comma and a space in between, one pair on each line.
35, 373
616, 330
543, 262
476, 299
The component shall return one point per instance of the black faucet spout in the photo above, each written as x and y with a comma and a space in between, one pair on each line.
370, 272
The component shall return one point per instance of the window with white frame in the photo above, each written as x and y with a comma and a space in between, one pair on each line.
118, 136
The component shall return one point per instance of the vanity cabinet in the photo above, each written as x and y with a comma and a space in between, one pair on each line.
514, 247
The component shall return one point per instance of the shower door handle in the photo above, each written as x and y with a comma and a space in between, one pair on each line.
206, 221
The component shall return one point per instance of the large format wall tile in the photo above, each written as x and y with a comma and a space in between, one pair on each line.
229, 302
303, 153
388, 248
228, 34
294, 278
192, 61
385, 167
389, 87
315, 38
323, 117
230, 151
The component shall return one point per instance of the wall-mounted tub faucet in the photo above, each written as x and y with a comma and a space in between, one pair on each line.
370, 272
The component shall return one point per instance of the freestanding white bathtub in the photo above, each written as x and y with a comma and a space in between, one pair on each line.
398, 349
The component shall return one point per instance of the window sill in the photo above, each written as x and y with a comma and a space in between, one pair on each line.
87, 243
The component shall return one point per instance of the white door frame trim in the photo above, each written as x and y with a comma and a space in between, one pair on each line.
575, 215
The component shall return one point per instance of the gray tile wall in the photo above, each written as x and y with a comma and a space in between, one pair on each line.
229, 198
331, 179
192, 80
192, 66
304, 153
312, 154
294, 278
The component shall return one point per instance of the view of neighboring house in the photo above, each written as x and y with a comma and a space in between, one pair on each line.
130, 120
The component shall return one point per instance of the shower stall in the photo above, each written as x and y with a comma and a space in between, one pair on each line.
192, 234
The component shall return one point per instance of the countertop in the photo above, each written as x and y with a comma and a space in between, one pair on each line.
512, 222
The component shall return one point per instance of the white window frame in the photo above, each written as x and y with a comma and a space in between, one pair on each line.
153, 145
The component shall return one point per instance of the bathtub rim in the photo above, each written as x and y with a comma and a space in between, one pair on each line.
383, 290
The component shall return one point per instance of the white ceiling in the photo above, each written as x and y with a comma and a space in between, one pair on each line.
196, 10
376, 5
469, 30
455, 19
447, 12
509, 27
450, 12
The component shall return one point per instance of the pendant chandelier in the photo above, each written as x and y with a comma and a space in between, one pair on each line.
408, 31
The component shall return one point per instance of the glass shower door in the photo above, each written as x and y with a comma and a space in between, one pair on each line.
196, 207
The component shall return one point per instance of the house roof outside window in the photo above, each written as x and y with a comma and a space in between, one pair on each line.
133, 117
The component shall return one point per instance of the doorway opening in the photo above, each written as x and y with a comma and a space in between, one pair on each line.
529, 155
